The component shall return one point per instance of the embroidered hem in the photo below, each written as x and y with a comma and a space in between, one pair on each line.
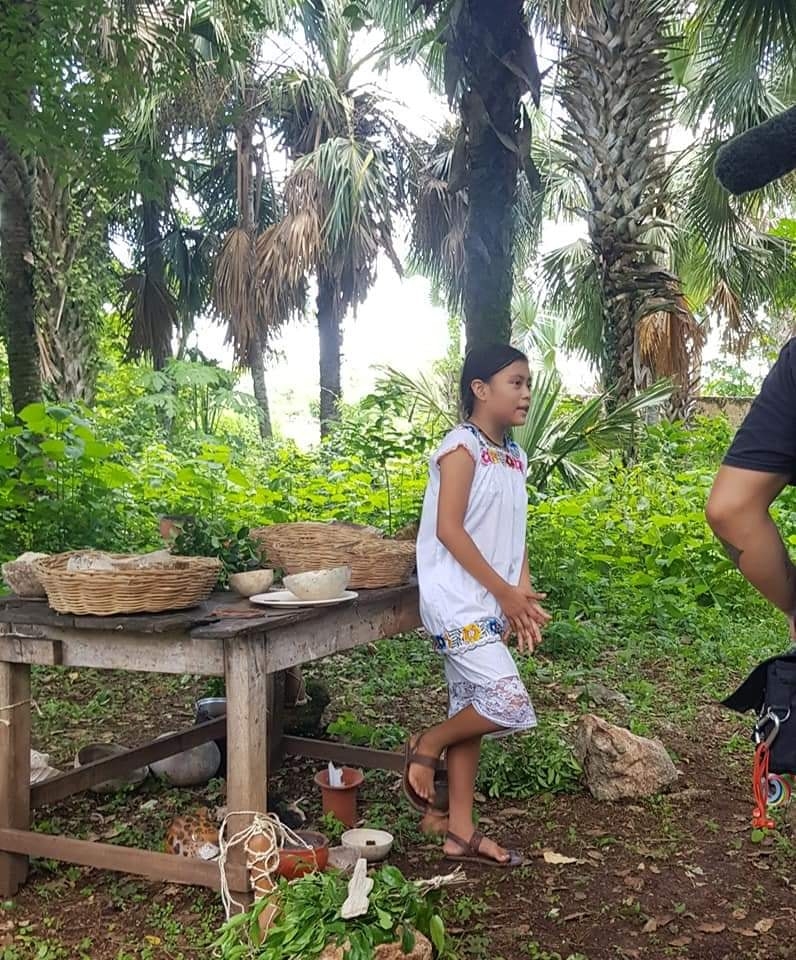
470, 636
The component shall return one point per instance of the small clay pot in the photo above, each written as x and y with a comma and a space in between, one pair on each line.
341, 801
296, 862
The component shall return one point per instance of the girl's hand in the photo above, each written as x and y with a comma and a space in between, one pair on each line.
526, 617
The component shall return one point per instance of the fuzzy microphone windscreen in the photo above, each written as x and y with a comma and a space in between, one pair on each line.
759, 156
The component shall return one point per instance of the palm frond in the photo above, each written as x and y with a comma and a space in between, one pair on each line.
555, 442
151, 313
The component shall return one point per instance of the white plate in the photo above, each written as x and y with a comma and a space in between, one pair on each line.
284, 598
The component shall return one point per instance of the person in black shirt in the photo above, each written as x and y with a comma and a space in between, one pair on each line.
760, 463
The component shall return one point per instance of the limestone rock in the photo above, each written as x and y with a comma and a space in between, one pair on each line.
617, 764
388, 951
603, 696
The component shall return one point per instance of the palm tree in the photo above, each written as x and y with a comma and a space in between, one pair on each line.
664, 240
351, 171
16, 247
490, 68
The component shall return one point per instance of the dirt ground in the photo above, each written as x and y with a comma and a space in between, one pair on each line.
675, 876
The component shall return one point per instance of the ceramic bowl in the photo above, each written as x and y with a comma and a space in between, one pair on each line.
191, 768
295, 862
252, 582
102, 751
319, 584
21, 576
373, 845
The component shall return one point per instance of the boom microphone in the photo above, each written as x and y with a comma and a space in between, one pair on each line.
762, 154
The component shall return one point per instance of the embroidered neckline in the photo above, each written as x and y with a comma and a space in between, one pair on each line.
486, 440
509, 455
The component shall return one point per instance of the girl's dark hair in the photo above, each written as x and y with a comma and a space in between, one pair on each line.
482, 363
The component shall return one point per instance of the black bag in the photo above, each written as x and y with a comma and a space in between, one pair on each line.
770, 690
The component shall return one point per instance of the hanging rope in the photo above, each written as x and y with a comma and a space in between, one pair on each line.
262, 858
19, 703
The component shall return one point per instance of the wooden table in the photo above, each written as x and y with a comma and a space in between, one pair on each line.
222, 637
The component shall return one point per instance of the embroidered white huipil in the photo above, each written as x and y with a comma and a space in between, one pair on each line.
462, 616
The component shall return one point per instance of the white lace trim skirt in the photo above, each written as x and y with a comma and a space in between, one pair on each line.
486, 678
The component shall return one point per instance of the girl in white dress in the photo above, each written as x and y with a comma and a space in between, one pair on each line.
475, 590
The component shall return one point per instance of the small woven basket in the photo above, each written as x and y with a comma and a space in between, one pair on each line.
374, 561
182, 582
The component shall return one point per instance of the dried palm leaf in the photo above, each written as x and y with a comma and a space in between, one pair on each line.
152, 316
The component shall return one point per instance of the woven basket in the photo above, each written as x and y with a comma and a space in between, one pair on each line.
374, 562
184, 582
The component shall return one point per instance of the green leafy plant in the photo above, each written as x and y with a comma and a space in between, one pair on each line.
540, 763
236, 550
310, 919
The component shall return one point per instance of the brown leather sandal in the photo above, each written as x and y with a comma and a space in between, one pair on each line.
472, 854
440, 802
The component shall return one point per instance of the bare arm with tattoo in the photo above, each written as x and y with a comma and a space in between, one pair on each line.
738, 513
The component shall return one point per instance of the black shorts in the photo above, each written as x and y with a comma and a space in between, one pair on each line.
766, 440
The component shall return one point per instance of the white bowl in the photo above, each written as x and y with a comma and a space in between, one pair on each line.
373, 845
252, 582
319, 584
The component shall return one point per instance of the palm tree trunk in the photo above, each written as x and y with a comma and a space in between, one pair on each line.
67, 329
257, 367
329, 344
156, 281
490, 106
617, 93
16, 250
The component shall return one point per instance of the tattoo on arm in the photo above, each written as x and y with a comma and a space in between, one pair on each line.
733, 552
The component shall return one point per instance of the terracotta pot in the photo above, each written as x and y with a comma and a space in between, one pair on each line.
171, 526
296, 862
341, 801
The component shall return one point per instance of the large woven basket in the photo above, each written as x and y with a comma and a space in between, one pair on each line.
374, 561
183, 582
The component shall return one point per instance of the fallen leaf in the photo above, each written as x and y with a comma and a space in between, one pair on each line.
740, 914
680, 942
712, 927
635, 883
155, 941
744, 932
514, 812
653, 869
550, 856
575, 916
650, 926
763, 926
580, 897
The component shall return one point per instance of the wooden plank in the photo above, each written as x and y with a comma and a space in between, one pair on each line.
75, 781
19, 610
14, 768
342, 628
164, 867
109, 650
247, 747
342, 753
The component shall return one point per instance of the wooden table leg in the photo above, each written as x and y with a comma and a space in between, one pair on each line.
14, 768
247, 747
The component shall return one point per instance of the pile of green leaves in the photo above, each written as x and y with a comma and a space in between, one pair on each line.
310, 919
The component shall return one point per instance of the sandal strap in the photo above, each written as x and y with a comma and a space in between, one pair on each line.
423, 760
473, 845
